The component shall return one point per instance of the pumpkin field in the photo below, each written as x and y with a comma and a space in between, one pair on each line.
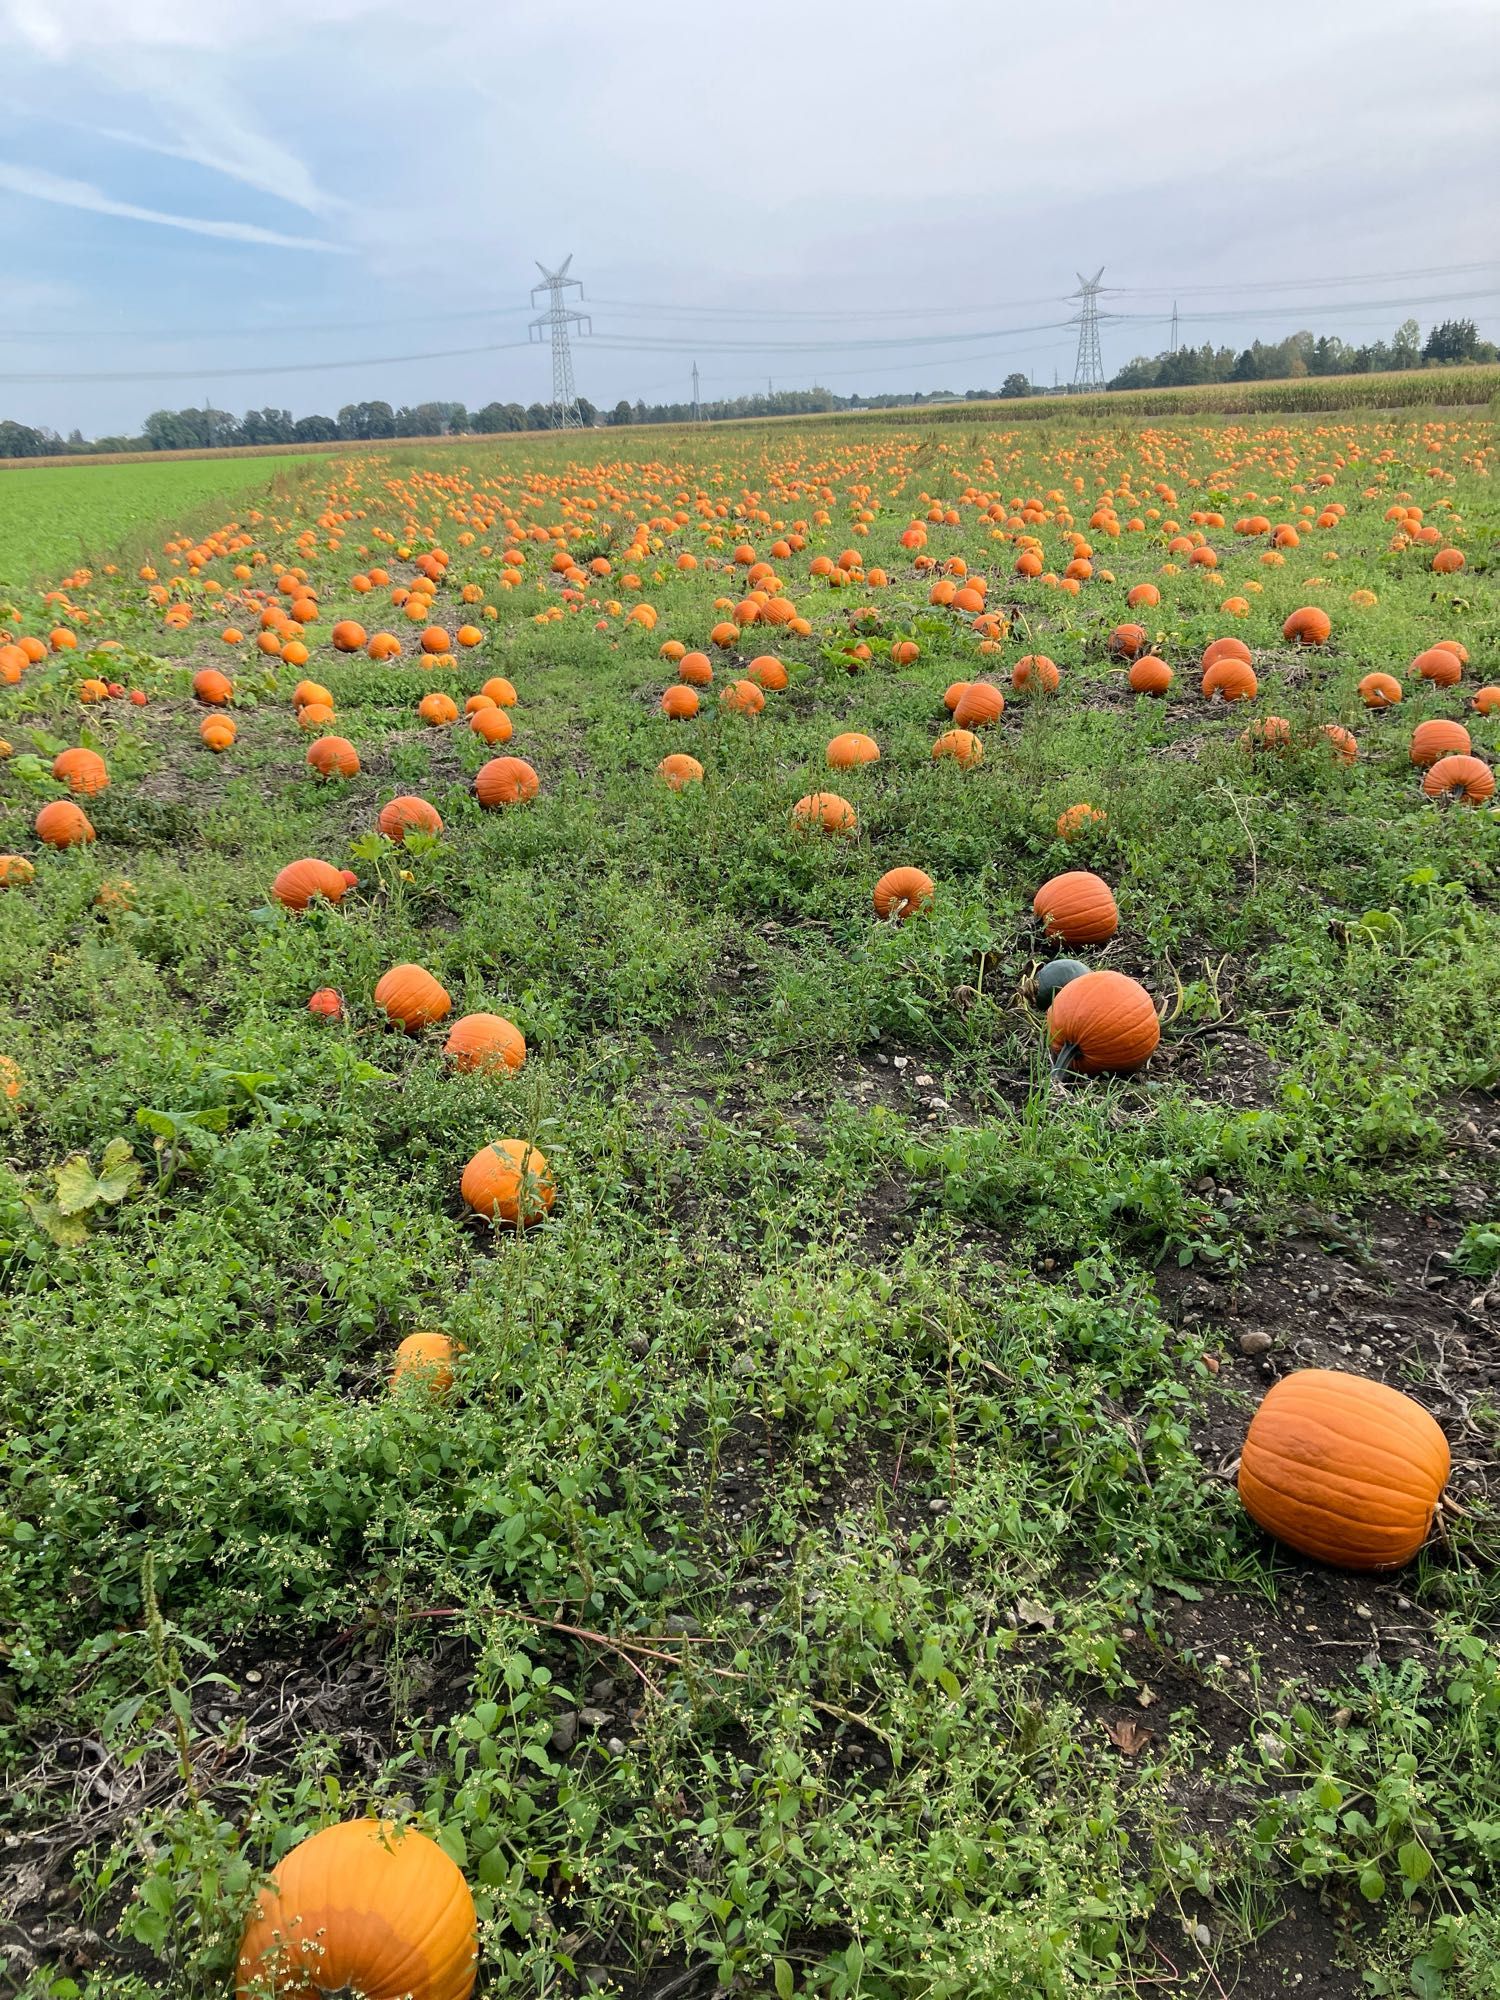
750, 1216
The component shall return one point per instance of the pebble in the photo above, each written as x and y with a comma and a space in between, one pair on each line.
1253, 1341
565, 1733
593, 1718
615, 1747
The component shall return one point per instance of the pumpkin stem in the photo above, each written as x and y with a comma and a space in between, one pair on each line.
1064, 1058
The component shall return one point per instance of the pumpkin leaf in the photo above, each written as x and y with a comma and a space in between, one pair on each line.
66, 1231
79, 1188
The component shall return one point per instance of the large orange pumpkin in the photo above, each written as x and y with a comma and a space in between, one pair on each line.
1077, 908
1380, 691
505, 781
210, 686
1230, 680
1342, 1469
962, 745
409, 814
848, 751
300, 882
485, 1041
1309, 626
901, 892
1462, 777
679, 702
980, 705
508, 1178
84, 772
1439, 665
825, 812
427, 1358
1103, 1021
1150, 675
362, 1908
679, 771
334, 757
411, 998
1438, 737
62, 824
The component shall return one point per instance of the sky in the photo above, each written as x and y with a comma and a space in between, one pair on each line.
283, 201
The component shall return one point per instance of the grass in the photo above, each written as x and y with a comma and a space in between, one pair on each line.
86, 513
831, 1479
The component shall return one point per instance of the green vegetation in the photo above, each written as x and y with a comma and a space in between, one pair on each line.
821, 1573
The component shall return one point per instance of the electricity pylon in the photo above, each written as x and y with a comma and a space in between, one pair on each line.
1088, 369
554, 321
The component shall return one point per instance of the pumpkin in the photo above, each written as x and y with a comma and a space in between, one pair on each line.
485, 1041
62, 824
767, 672
1380, 691
848, 751
962, 745
1128, 642
84, 772
314, 715
1309, 626
1051, 978
743, 698
679, 771
1102, 1021
307, 692
905, 653
1342, 744
980, 705
1150, 675
1078, 820
1438, 738
426, 1358
217, 732
953, 694
1487, 700
1464, 777
1230, 679
1271, 732
509, 1179
362, 1908
301, 882
435, 640
16, 871
1342, 1469
1034, 671
1077, 908
679, 702
348, 637
437, 710
411, 998
696, 669
212, 687
334, 757
500, 691
492, 724
409, 814
1439, 665
327, 1003
505, 781
1228, 648
901, 892
824, 812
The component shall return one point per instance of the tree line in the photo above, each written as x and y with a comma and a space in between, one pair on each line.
1300, 354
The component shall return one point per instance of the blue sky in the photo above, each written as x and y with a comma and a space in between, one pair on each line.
192, 186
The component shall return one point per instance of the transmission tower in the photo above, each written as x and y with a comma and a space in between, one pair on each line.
697, 406
1174, 326
553, 323
1088, 369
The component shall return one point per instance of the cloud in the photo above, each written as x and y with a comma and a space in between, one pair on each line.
41, 186
227, 146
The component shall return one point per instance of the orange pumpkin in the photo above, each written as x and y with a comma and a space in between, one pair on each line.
1309, 626
84, 772
301, 882
16, 871
848, 751
1440, 665
1228, 648
1103, 1021
505, 781
1487, 700
62, 824
679, 771
427, 1358
695, 668
1080, 819
824, 812
500, 691
1230, 679
1035, 671
409, 814
509, 1179
1462, 777
363, 1908
1077, 908
679, 701
1380, 691
980, 705
437, 710
1128, 642
742, 698
901, 892
492, 725
334, 757
485, 1041
348, 637
411, 998
1342, 1469
962, 745
217, 732
210, 686
1438, 738
1150, 675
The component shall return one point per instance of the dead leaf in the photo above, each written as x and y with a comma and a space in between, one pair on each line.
1029, 1612
1128, 1736
1146, 1696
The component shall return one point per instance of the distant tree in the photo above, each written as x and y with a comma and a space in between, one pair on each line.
539, 417
21, 441
267, 427
315, 430
1406, 346
1016, 385
622, 413
587, 411
1142, 373
1454, 340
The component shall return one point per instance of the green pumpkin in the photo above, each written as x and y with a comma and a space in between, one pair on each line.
1053, 977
